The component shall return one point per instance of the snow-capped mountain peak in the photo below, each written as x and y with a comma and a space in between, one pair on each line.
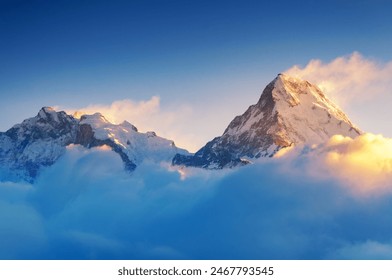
305, 114
38, 142
290, 111
126, 138
47, 112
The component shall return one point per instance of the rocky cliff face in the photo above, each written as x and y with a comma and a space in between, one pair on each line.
289, 112
38, 142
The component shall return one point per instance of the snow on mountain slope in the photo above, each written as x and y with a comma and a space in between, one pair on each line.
36, 142
137, 146
40, 141
289, 112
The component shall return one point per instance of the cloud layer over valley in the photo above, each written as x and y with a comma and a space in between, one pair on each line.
302, 205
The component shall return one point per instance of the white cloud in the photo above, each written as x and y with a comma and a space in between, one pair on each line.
122, 110
347, 80
369, 250
87, 206
174, 123
22, 227
348, 77
293, 207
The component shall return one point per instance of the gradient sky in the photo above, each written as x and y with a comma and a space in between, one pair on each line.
216, 56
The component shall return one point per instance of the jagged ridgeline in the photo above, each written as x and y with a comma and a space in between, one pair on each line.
289, 112
38, 142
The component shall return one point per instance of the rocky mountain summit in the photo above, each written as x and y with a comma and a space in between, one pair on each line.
38, 142
289, 112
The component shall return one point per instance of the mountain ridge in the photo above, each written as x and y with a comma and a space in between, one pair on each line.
289, 112
38, 142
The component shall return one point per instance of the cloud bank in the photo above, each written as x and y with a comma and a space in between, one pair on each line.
363, 163
325, 202
348, 77
86, 207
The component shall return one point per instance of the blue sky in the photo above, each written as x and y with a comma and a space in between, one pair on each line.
211, 55
207, 62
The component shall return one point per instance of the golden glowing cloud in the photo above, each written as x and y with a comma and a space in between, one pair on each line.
363, 163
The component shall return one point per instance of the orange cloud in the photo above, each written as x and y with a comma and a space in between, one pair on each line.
364, 163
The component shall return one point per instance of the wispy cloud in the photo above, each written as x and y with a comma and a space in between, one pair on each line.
348, 77
364, 250
174, 123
